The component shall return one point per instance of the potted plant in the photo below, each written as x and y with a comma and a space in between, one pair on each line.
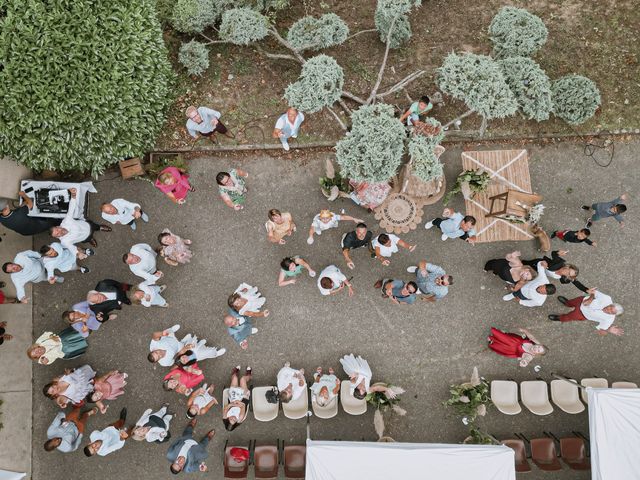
470, 399
383, 399
478, 437
469, 183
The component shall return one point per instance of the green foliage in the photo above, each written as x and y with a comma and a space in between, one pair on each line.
530, 85
386, 11
164, 9
372, 150
575, 98
268, 5
242, 26
320, 85
478, 81
478, 183
425, 163
154, 169
193, 16
326, 183
516, 33
469, 400
311, 33
478, 437
194, 56
84, 84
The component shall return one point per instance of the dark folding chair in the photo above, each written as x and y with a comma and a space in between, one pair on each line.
266, 460
520, 449
294, 459
232, 467
573, 452
544, 454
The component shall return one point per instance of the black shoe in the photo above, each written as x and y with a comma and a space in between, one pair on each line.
105, 228
84, 270
93, 242
2, 284
588, 224
378, 284
88, 252
586, 207
563, 300
123, 414
555, 318
553, 235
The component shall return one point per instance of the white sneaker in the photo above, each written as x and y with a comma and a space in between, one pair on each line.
221, 352
412, 269
310, 240
294, 136
428, 225
254, 331
508, 296
285, 145
312, 274
443, 237
175, 328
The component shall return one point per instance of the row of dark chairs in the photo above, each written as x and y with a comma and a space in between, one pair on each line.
574, 452
266, 460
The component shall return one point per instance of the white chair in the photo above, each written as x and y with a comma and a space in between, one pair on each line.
624, 385
330, 410
225, 398
565, 395
297, 408
263, 411
351, 404
592, 382
504, 395
535, 396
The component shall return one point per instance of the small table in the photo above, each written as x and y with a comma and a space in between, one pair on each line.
83, 189
512, 203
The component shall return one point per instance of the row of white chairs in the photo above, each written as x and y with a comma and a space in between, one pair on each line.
263, 411
534, 395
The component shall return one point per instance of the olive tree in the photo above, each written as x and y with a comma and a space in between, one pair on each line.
515, 32
575, 98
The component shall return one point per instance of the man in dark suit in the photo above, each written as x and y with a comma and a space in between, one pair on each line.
559, 269
187, 455
108, 295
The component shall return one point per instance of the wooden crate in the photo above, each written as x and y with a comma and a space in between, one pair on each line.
131, 168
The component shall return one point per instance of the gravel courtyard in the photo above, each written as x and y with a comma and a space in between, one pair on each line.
423, 348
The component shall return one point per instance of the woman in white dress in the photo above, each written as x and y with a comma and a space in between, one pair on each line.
72, 387
239, 394
200, 401
359, 373
153, 427
324, 388
247, 300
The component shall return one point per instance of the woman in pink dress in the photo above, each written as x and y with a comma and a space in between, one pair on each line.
523, 347
107, 387
174, 249
174, 183
183, 379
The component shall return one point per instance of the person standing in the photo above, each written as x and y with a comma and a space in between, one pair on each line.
165, 348
174, 183
239, 328
55, 256
148, 295
107, 296
72, 387
331, 281
26, 267
360, 237
596, 307
107, 387
279, 226
386, 245
142, 262
232, 187
291, 383
558, 268
82, 319
19, 221
574, 236
417, 111
397, 291
109, 440
615, 208
66, 431
326, 220
123, 212
510, 269
247, 300
288, 126
74, 228
183, 379
523, 347
49, 347
432, 280
153, 427
454, 225
205, 122
535, 292
201, 401
175, 250
187, 455
290, 268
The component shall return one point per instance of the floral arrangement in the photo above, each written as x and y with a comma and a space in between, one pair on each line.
477, 182
535, 213
478, 437
382, 401
470, 399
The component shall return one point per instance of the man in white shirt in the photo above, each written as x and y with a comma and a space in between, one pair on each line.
205, 122
534, 293
331, 281
597, 307
26, 267
291, 383
287, 126
123, 212
165, 347
75, 228
112, 438
386, 245
142, 262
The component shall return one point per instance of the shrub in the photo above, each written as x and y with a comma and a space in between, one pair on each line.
478, 81
320, 85
242, 26
194, 56
530, 85
386, 11
426, 165
94, 90
516, 33
311, 33
193, 16
372, 150
267, 5
575, 98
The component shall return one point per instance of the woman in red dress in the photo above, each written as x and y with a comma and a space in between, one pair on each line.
174, 183
523, 347
183, 379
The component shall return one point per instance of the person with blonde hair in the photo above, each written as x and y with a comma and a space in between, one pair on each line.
522, 347
49, 347
280, 225
174, 183
153, 426
324, 388
326, 220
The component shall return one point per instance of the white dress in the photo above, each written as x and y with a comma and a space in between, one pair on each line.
203, 399
255, 300
359, 367
80, 384
201, 350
